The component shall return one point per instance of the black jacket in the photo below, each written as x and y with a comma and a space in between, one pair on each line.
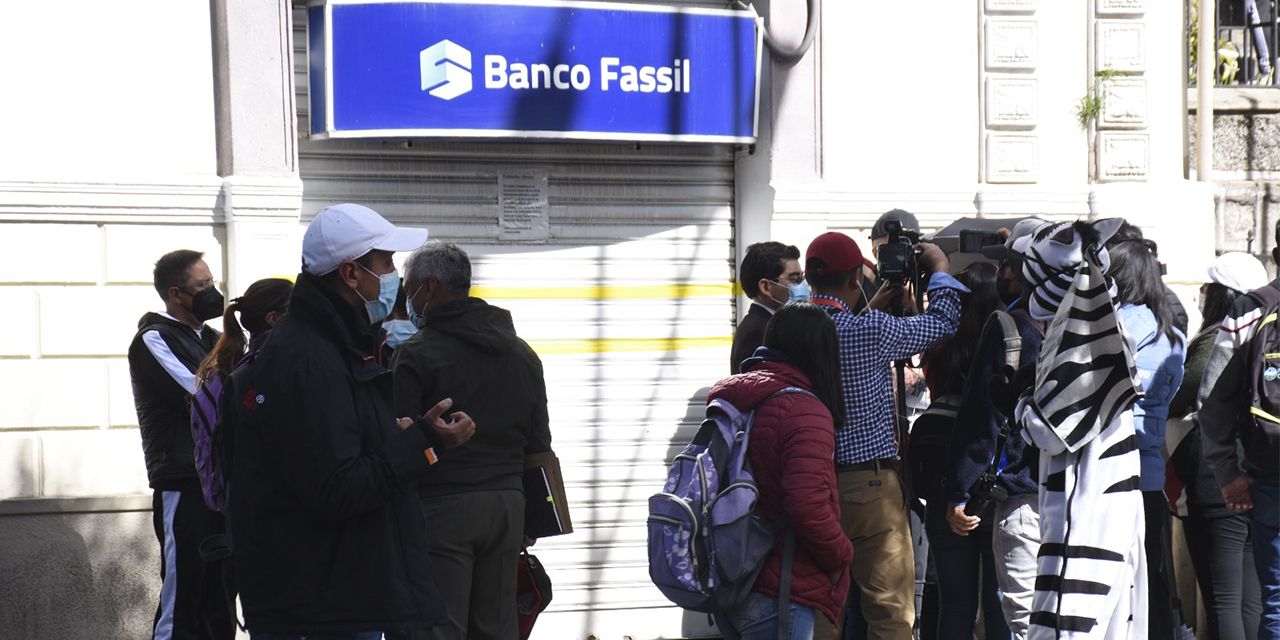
327, 528
749, 335
977, 426
469, 351
164, 417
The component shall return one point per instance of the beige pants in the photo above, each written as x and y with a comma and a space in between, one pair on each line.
874, 516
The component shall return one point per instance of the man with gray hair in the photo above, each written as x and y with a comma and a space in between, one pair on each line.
468, 350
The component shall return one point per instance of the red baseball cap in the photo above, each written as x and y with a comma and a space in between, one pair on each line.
837, 251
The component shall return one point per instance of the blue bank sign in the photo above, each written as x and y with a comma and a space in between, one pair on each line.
576, 70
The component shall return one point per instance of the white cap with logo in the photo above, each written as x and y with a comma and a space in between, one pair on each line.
348, 231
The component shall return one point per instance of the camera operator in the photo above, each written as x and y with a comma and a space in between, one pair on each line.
975, 444
872, 495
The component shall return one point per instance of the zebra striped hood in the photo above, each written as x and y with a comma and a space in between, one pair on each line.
1091, 580
1054, 252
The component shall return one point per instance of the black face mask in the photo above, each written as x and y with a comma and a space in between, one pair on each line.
1002, 289
207, 304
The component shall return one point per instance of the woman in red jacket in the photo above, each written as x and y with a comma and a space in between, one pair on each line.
792, 454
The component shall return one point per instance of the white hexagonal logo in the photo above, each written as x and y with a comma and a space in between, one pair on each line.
446, 70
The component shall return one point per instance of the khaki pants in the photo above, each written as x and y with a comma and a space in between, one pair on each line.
874, 516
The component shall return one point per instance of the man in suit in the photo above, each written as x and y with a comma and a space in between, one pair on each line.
770, 276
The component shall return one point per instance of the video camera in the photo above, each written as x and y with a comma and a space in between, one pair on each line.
898, 259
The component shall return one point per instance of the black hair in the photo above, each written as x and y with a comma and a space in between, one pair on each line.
807, 335
401, 298
171, 270
1217, 303
1278, 233
1137, 277
764, 260
1127, 232
261, 298
949, 362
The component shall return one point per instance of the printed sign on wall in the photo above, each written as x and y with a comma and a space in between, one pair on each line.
579, 70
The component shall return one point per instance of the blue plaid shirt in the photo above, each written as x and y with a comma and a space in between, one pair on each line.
869, 344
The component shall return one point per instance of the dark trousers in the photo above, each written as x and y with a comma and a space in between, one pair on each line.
193, 599
1161, 623
474, 540
1222, 555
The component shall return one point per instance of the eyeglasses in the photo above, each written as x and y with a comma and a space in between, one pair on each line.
199, 286
795, 280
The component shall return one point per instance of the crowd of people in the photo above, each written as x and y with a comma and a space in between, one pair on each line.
1071, 418
315, 468
311, 458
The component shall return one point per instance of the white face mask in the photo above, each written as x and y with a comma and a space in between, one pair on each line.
1200, 303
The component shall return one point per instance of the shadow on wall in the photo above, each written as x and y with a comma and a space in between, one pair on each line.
693, 624
78, 575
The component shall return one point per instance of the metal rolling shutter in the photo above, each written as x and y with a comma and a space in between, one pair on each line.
628, 303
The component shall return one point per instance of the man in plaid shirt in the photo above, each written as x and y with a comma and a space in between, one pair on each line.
873, 508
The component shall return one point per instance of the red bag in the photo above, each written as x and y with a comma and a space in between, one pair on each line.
533, 592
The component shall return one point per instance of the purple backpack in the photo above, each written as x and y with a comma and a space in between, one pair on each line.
204, 415
204, 421
707, 541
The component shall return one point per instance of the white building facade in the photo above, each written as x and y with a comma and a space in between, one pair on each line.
130, 131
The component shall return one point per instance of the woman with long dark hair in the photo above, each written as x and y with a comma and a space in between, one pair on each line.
962, 562
792, 454
1158, 350
1217, 537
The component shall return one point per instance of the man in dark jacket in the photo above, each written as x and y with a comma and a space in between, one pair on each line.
163, 359
770, 276
325, 521
468, 350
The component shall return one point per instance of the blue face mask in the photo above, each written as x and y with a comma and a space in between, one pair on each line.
796, 291
388, 287
398, 331
417, 320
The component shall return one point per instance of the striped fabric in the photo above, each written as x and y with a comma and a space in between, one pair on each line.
1092, 571
1051, 254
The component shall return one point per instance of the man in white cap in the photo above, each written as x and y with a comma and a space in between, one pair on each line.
327, 529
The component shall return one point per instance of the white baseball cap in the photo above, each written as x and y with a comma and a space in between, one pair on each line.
348, 231
1240, 272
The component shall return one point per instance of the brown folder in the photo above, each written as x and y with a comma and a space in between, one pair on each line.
546, 510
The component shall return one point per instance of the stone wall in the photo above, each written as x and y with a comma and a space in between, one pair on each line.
1246, 163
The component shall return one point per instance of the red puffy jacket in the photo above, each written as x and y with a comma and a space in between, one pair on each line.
792, 454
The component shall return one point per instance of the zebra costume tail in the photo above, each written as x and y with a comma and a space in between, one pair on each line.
1092, 573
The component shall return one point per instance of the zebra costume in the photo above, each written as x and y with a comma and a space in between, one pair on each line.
1092, 568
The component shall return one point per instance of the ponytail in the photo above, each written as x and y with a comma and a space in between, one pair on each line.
262, 297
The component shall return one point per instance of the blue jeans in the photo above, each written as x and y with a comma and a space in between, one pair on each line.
1265, 520
351, 635
756, 618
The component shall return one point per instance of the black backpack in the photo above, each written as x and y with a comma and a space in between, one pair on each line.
1260, 430
931, 433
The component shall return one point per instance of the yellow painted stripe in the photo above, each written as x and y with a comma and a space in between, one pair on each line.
606, 292
619, 345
